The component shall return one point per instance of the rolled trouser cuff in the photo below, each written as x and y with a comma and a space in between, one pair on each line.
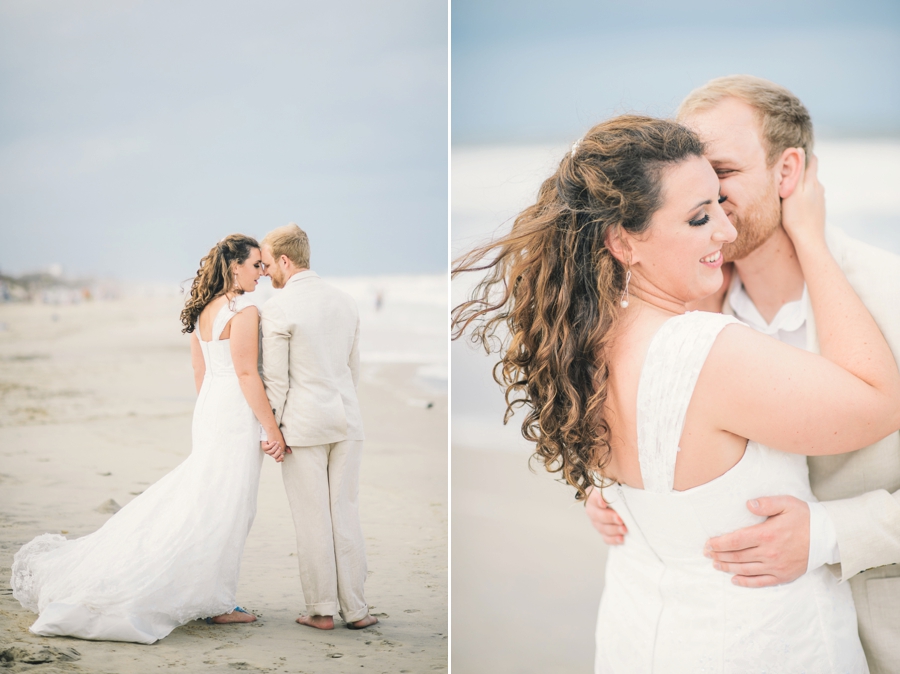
357, 614
323, 608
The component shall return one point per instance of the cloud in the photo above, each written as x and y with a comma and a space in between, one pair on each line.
134, 133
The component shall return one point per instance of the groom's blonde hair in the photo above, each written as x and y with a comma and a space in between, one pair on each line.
784, 120
289, 240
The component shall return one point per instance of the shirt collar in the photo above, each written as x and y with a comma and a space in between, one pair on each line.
301, 276
790, 317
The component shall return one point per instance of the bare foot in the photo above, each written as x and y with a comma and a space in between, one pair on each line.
320, 622
236, 616
364, 622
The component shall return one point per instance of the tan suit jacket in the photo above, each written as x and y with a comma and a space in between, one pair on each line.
311, 362
861, 490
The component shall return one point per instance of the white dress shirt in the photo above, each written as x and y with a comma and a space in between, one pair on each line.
789, 326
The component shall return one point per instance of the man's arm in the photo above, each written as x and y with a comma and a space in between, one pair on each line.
868, 530
779, 550
276, 358
354, 357
868, 525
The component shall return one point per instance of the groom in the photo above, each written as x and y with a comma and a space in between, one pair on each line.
310, 350
749, 125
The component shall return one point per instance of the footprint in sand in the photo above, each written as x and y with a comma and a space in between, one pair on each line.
30, 654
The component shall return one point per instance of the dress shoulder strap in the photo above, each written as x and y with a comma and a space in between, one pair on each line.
674, 359
228, 311
221, 320
240, 302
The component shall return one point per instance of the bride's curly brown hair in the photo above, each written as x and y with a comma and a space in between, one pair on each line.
215, 277
556, 288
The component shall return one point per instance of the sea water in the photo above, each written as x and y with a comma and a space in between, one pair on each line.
403, 319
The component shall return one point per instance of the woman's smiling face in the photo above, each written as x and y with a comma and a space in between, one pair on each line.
679, 259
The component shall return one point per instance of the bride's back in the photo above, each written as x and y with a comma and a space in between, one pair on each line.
207, 320
704, 451
664, 607
214, 334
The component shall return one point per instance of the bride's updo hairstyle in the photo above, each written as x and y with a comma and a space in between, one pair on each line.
215, 277
553, 289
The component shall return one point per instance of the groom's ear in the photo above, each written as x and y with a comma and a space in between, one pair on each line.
790, 169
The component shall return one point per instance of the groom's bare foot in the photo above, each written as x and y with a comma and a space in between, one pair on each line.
320, 622
234, 617
364, 622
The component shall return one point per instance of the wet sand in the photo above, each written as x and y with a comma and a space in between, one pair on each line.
95, 404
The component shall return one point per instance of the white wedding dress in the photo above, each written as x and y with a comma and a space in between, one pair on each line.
664, 607
172, 554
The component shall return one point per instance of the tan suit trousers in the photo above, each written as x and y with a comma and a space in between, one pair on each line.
322, 484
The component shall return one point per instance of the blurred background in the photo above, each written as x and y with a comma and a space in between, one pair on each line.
528, 79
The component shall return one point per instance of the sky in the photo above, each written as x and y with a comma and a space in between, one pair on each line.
136, 134
536, 71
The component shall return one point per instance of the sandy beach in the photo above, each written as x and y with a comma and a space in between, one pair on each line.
527, 569
95, 405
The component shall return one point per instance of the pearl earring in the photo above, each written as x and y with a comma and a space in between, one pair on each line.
624, 302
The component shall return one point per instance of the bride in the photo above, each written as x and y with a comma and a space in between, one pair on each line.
680, 417
173, 554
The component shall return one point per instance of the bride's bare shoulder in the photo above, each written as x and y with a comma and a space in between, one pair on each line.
630, 338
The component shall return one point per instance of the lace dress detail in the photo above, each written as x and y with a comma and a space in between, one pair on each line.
664, 607
172, 554
665, 391
23, 580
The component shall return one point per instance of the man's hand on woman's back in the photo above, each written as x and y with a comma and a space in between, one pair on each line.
605, 519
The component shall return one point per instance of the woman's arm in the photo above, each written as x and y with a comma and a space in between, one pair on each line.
758, 388
245, 354
197, 361
845, 399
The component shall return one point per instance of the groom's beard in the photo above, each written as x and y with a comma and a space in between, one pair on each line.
755, 225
